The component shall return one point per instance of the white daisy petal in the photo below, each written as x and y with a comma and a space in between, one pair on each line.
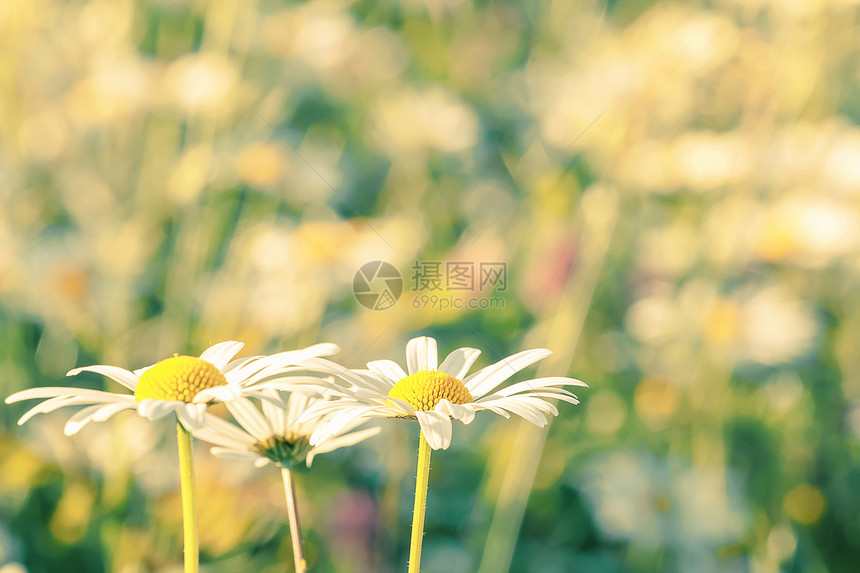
242, 372
296, 357
376, 380
350, 427
108, 410
386, 411
458, 362
347, 439
520, 408
337, 423
273, 410
233, 454
456, 411
152, 409
478, 406
249, 417
421, 354
191, 415
62, 401
80, 419
341, 442
223, 433
317, 410
58, 391
357, 380
402, 405
96, 413
121, 375
293, 383
220, 354
51, 405
539, 384
487, 379
223, 393
248, 375
436, 428
566, 397
238, 364
389, 369
371, 397
139, 371
537, 404
297, 405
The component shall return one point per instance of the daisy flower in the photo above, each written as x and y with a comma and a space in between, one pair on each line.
174, 385
171, 386
274, 434
436, 393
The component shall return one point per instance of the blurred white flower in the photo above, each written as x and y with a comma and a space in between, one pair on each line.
429, 120
842, 161
632, 498
116, 87
326, 37
654, 502
704, 160
764, 324
807, 229
279, 278
202, 82
776, 327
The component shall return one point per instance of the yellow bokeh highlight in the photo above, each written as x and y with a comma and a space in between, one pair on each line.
721, 324
225, 513
69, 282
19, 470
190, 174
776, 240
260, 164
72, 517
804, 504
553, 462
322, 242
655, 400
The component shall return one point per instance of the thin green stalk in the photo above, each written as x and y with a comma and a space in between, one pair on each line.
189, 499
420, 504
295, 528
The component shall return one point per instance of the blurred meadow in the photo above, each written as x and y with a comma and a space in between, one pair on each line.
674, 187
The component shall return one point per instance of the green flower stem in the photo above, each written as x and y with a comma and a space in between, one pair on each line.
295, 528
189, 499
420, 504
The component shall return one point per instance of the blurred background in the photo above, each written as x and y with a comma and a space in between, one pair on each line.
673, 188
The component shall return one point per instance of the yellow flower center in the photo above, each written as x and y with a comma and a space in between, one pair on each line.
424, 389
178, 378
286, 450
